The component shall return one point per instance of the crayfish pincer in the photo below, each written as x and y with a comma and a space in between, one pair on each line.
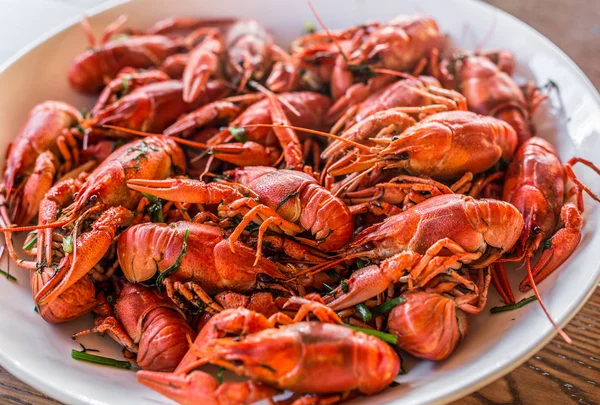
146, 325
293, 357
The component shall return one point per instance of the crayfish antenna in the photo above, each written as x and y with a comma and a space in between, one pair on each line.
186, 142
539, 298
51, 225
329, 34
268, 93
314, 132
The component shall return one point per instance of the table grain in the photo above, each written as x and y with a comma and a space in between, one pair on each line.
559, 373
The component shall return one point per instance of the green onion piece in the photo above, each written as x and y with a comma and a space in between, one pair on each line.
344, 286
361, 263
32, 242
125, 83
150, 197
220, 375
155, 208
238, 133
327, 287
8, 276
105, 361
68, 244
511, 307
364, 312
386, 337
387, 306
332, 274
175, 266
309, 28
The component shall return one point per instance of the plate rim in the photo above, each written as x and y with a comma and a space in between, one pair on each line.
60, 394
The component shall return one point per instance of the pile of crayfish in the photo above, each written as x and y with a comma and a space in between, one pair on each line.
285, 214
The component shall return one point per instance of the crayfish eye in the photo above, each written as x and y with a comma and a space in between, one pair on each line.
395, 138
18, 178
536, 229
403, 156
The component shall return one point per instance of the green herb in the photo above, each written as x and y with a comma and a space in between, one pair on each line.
68, 244
285, 199
268, 245
8, 276
155, 208
173, 268
328, 287
35, 309
309, 28
386, 337
119, 37
547, 244
220, 375
387, 306
332, 274
125, 83
344, 286
32, 242
238, 133
518, 305
105, 361
80, 129
143, 150
361, 263
364, 312
402, 370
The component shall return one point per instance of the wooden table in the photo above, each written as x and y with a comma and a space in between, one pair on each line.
559, 373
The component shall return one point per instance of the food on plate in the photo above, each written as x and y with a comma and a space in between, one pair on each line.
285, 213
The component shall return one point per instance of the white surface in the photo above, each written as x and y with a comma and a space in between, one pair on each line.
39, 353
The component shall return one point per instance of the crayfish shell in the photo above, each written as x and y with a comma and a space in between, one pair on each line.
428, 325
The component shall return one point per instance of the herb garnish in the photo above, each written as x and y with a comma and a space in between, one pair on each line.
32, 242
8, 276
105, 361
155, 208
386, 337
68, 244
173, 268
238, 133
511, 307
364, 312
387, 306
220, 375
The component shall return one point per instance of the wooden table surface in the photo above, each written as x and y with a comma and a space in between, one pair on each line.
559, 373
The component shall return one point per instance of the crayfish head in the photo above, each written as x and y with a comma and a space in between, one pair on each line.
420, 149
501, 225
539, 218
428, 325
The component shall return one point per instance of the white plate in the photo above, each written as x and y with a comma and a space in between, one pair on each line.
39, 353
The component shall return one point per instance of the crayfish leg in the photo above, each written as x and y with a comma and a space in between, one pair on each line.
560, 246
